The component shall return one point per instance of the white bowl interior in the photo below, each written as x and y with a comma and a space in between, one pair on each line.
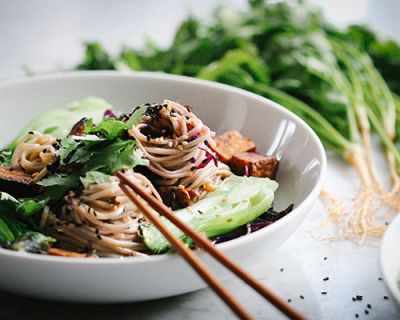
273, 128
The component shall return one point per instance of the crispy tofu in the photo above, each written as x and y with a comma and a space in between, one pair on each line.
17, 183
254, 164
231, 142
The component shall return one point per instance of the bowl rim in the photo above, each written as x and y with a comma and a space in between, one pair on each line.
387, 238
306, 203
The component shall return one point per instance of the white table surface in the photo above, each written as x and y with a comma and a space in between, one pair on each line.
46, 35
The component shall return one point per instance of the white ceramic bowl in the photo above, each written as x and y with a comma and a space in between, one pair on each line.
274, 129
390, 259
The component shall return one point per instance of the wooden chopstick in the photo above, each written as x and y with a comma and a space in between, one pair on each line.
188, 254
206, 245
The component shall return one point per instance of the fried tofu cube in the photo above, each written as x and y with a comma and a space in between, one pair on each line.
17, 183
254, 164
231, 142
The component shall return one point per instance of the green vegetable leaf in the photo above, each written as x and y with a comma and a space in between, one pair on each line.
134, 119
68, 144
58, 185
15, 217
33, 242
120, 154
111, 128
94, 177
96, 58
237, 201
5, 157
58, 122
30, 206
6, 234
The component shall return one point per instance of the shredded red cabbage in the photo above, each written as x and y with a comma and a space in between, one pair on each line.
110, 113
210, 156
193, 137
266, 219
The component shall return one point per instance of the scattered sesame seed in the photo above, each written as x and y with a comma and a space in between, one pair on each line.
353, 298
359, 298
356, 315
302, 297
325, 279
369, 306
380, 279
386, 297
325, 258
289, 300
282, 270
324, 292
366, 311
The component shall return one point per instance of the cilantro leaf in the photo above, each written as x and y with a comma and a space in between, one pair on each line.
93, 177
58, 185
120, 154
5, 157
68, 144
111, 128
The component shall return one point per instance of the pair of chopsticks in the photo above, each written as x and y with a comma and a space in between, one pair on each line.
149, 206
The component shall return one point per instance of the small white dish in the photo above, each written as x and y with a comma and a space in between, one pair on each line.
390, 259
274, 129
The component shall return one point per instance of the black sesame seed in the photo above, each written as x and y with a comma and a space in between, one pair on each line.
359, 298
99, 237
356, 315
366, 311
353, 298
386, 297
30, 132
44, 150
302, 297
380, 279
324, 292
369, 306
289, 300
282, 269
325, 279
325, 258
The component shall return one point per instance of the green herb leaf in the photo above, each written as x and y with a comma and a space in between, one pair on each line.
30, 207
6, 234
59, 185
94, 177
5, 157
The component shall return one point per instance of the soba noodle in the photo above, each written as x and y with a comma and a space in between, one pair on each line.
177, 143
102, 219
34, 152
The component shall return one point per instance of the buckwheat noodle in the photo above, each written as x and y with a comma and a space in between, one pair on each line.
177, 144
102, 219
34, 152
